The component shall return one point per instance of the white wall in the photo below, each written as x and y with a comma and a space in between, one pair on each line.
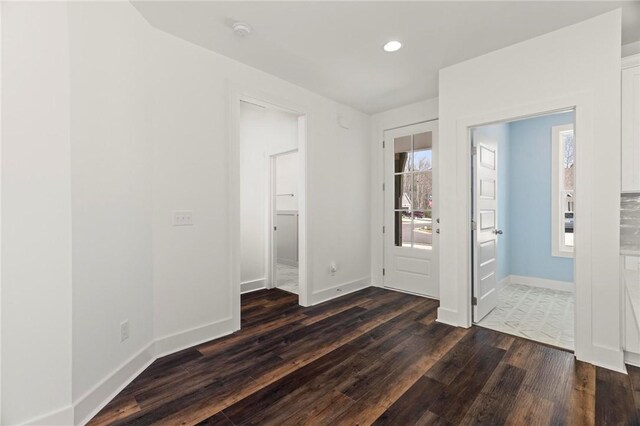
579, 65
111, 155
190, 113
263, 132
36, 201
403, 116
149, 120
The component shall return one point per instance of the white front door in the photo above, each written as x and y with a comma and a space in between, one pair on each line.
410, 203
485, 233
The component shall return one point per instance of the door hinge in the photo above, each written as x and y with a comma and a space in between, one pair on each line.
474, 301
383, 229
275, 228
474, 150
383, 186
474, 226
383, 271
383, 144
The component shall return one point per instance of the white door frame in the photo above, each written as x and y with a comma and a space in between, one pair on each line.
271, 249
582, 104
236, 94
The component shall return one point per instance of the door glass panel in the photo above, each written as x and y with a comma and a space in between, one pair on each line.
422, 196
422, 148
422, 229
402, 231
402, 154
402, 192
413, 190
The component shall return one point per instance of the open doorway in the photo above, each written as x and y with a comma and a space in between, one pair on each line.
271, 147
285, 221
524, 215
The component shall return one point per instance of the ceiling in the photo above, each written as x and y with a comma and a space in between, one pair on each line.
335, 48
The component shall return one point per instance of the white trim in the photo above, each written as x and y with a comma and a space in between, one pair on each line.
287, 262
96, 398
631, 61
62, 416
540, 282
403, 116
185, 339
339, 290
249, 286
632, 358
236, 94
504, 282
449, 317
558, 248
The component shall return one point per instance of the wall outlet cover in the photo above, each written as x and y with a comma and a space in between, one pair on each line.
182, 218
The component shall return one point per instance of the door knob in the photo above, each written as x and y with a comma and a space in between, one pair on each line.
497, 231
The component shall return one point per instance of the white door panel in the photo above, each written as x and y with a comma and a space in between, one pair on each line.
410, 240
485, 234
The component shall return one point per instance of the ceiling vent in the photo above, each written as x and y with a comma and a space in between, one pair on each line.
241, 29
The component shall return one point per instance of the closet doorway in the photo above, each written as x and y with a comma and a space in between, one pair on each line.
285, 227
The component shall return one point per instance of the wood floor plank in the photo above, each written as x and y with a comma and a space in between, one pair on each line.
373, 356
458, 397
614, 399
497, 399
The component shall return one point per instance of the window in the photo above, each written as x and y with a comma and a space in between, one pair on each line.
563, 170
413, 190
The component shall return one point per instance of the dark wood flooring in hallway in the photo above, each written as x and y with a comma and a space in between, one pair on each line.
371, 357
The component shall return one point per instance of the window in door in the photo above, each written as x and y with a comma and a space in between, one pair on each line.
413, 191
563, 190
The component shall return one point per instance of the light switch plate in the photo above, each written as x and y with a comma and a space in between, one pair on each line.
182, 218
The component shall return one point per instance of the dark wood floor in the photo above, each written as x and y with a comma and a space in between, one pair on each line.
371, 357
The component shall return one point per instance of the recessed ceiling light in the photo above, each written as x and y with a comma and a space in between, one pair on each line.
392, 46
241, 29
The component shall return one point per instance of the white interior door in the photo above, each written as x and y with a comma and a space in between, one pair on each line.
485, 233
410, 206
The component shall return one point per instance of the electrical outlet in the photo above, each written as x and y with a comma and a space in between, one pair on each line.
333, 268
182, 218
124, 330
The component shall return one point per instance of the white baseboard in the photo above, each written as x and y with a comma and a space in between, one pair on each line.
94, 400
288, 262
254, 285
541, 282
339, 290
61, 417
632, 358
185, 339
447, 316
609, 358
89, 404
504, 282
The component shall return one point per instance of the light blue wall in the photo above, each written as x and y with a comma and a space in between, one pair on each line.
529, 200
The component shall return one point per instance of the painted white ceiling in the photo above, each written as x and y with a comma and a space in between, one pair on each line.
335, 48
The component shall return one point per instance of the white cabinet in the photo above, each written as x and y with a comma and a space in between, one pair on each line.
630, 274
631, 124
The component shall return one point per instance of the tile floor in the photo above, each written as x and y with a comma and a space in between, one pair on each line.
534, 313
287, 278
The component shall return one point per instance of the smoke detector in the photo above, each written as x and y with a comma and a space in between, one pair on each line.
241, 29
